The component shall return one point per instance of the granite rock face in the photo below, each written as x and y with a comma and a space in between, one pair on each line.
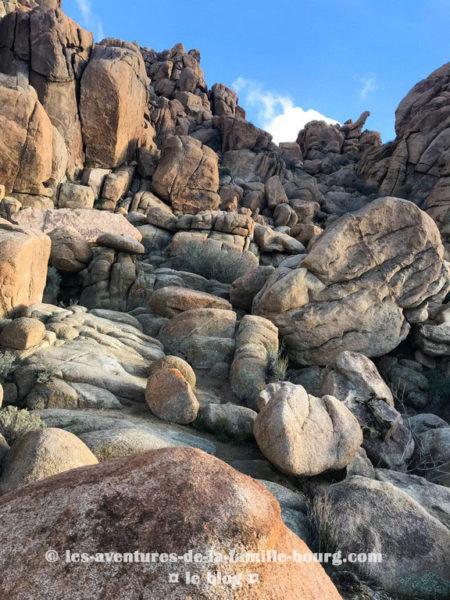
241, 513
24, 255
352, 290
113, 129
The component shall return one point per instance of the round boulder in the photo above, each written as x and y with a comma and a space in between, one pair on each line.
304, 435
173, 500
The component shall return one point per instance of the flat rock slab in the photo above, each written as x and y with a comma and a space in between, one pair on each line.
90, 223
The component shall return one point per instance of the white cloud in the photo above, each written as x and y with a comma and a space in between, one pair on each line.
276, 114
90, 19
368, 85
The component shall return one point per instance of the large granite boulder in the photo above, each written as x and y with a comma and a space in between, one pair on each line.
256, 354
355, 381
41, 454
113, 102
203, 337
91, 224
24, 255
158, 502
354, 288
187, 175
52, 50
26, 141
417, 164
397, 517
305, 435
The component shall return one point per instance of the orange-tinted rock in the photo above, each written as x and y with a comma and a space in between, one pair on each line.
24, 258
113, 103
172, 500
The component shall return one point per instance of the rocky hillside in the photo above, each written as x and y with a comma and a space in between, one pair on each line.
211, 342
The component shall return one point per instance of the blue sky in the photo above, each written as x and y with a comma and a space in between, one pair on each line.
336, 57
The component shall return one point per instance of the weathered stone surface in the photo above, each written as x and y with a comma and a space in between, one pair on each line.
318, 138
187, 175
256, 348
70, 251
356, 382
121, 243
54, 50
365, 515
113, 103
229, 420
170, 301
351, 290
24, 255
22, 333
434, 339
269, 241
91, 224
203, 337
26, 141
244, 289
169, 392
304, 435
104, 361
41, 454
242, 513
157, 212
73, 195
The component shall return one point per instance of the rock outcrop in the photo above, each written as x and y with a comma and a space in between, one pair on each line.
353, 289
105, 507
187, 175
113, 103
24, 255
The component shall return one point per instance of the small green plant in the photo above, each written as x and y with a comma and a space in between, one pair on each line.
213, 261
7, 365
14, 423
46, 376
277, 366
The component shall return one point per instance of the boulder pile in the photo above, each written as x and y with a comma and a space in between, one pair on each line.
210, 342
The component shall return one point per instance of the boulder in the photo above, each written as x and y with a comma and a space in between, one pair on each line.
22, 333
356, 382
41, 454
203, 336
416, 164
90, 224
187, 175
70, 251
244, 289
24, 255
304, 435
121, 243
74, 195
256, 350
26, 141
156, 211
242, 517
113, 99
169, 393
171, 300
229, 420
354, 288
54, 50
369, 516
275, 193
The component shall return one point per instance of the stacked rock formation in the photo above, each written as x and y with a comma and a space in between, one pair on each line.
174, 285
